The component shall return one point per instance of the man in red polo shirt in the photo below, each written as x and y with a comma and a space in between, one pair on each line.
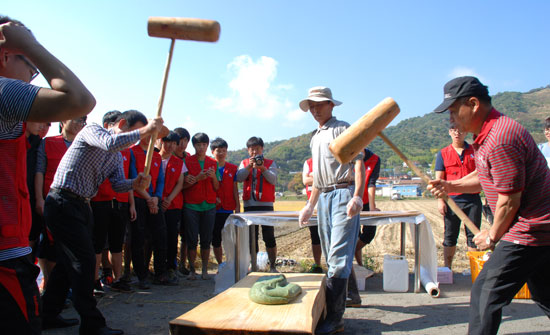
516, 180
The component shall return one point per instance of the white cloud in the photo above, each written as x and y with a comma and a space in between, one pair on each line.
252, 92
461, 71
295, 115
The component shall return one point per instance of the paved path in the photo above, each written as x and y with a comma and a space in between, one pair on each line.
148, 312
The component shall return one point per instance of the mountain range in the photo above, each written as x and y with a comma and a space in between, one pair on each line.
420, 138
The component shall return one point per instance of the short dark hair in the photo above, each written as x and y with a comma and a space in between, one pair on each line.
111, 116
200, 138
132, 117
547, 123
254, 141
171, 137
6, 19
218, 142
183, 133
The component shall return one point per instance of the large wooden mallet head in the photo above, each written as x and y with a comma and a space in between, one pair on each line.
181, 28
354, 139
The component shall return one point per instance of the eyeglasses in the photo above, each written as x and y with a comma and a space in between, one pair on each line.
35, 71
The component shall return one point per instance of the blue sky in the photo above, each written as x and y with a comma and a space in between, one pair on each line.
270, 53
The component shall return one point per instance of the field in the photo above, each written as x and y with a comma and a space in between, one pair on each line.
295, 243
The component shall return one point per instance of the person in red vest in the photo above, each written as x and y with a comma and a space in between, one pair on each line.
227, 197
372, 172
259, 177
454, 162
32, 133
172, 199
149, 230
307, 179
200, 203
21, 58
48, 156
180, 152
111, 215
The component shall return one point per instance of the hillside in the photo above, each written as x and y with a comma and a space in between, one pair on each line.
418, 137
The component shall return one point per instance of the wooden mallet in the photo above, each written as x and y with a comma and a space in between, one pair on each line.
176, 28
354, 139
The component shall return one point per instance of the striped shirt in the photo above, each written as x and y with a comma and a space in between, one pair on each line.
508, 161
94, 156
16, 99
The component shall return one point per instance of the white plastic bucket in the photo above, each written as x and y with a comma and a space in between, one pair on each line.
396, 274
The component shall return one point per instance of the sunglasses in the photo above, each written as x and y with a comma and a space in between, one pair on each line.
35, 71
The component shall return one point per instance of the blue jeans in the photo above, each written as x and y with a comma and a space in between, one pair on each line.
337, 232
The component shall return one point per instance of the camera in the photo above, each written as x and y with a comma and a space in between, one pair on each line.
259, 160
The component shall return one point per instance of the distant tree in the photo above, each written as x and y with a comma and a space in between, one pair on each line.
296, 184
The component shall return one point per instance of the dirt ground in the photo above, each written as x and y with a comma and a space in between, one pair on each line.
295, 243
149, 312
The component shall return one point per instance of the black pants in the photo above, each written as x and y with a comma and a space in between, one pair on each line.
218, 227
452, 222
152, 227
172, 218
71, 222
110, 219
367, 233
19, 297
509, 268
268, 232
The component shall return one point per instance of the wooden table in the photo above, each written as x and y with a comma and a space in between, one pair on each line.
232, 312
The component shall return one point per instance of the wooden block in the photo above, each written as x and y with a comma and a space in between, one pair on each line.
232, 312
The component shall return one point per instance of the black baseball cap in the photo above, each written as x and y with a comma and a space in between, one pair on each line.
461, 87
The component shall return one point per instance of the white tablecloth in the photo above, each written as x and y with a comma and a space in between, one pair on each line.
237, 224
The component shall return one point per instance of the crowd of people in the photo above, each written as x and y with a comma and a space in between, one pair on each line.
93, 188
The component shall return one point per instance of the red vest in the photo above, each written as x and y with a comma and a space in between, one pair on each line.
225, 192
55, 148
202, 190
171, 176
370, 164
15, 208
310, 165
264, 191
105, 191
454, 168
139, 155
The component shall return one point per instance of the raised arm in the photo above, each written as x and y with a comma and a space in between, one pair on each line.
67, 98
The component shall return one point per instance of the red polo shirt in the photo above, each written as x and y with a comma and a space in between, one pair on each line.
508, 161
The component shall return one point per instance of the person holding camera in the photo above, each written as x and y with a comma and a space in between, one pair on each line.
259, 177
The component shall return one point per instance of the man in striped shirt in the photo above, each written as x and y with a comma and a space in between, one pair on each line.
516, 180
21, 56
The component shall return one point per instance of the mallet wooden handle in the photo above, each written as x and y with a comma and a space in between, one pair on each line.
473, 228
153, 139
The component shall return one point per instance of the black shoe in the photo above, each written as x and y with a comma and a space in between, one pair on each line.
98, 289
101, 331
58, 322
121, 287
143, 284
